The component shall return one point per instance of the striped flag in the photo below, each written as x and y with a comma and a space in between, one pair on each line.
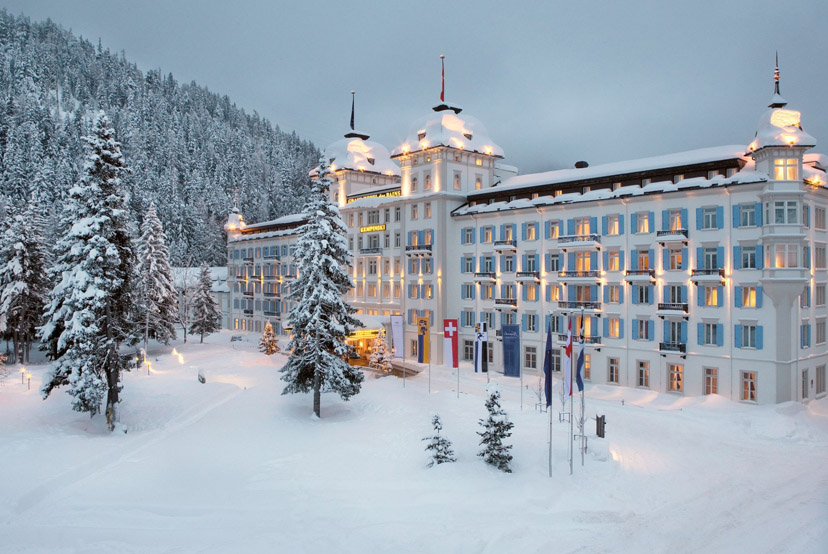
567, 361
423, 343
579, 366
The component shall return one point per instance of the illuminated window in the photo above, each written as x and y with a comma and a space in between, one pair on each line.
582, 226
643, 259
613, 261
531, 231
582, 261
711, 380
675, 223
587, 366
784, 255
614, 294
643, 225
643, 373
676, 377
508, 233
711, 296
749, 386
749, 297
675, 261
488, 234
554, 229
478, 182
785, 169
613, 226
478, 162
427, 210
614, 327
531, 292
372, 290
487, 291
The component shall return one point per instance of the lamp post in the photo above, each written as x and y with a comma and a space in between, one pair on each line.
29, 378
22, 375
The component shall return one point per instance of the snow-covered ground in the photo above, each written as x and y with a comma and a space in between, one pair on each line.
233, 466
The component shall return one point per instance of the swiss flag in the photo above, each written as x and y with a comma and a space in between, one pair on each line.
450, 342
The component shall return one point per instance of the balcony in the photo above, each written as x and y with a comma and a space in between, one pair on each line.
247, 293
271, 294
418, 250
270, 313
366, 251
672, 348
576, 339
640, 275
576, 275
672, 236
248, 312
527, 276
587, 306
505, 245
506, 304
579, 242
673, 308
706, 275
271, 257
289, 277
485, 277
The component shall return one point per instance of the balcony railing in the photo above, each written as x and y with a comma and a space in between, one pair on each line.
527, 276
707, 272
485, 276
506, 302
270, 257
679, 347
270, 294
418, 249
668, 233
579, 304
248, 312
248, 261
248, 293
375, 250
578, 274
505, 245
588, 339
270, 277
271, 313
676, 306
569, 239
641, 273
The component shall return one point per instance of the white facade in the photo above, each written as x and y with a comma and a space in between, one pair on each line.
701, 272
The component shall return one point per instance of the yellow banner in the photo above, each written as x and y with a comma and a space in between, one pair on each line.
372, 228
424, 350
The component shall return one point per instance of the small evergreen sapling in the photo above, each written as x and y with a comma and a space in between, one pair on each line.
496, 428
268, 344
438, 445
380, 359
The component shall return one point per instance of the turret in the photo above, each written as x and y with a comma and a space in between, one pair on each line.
235, 220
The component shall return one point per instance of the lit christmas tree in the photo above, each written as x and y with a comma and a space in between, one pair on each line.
380, 359
268, 343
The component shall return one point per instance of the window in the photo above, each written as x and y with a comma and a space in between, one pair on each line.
427, 265
427, 182
373, 241
711, 380
468, 235
554, 293
785, 169
413, 291
467, 318
582, 226
359, 218
372, 267
819, 257
487, 291
614, 294
613, 366
709, 218
819, 218
531, 231
427, 210
711, 296
748, 257
457, 180
428, 237
819, 293
749, 386
413, 184
675, 223
531, 294
554, 262
613, 225
478, 181
397, 239
805, 335
467, 291
468, 350
643, 328
785, 212
488, 234
747, 215
643, 374
413, 211
805, 297
531, 322
806, 215
749, 296
675, 261
614, 327
530, 357
582, 261
508, 319
820, 331
397, 290
397, 214
711, 258
675, 373
373, 217
748, 336
643, 259
643, 294
673, 294
508, 291
489, 318
372, 290
530, 264
784, 255
820, 379
614, 261
508, 233
554, 229
350, 220
350, 243
587, 367
508, 263
413, 348
397, 266
387, 240
643, 225
468, 265
386, 290
387, 215
488, 264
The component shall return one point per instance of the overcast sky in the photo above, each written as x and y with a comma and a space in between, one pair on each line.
554, 82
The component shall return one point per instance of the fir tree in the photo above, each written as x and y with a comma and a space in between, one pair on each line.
159, 299
89, 312
24, 286
380, 359
496, 428
321, 320
268, 343
206, 314
438, 445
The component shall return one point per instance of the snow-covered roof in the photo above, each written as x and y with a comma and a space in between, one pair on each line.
448, 127
747, 175
780, 127
678, 159
189, 276
284, 220
358, 154
264, 235
816, 160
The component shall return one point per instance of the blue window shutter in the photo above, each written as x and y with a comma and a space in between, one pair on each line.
481, 234
621, 295
621, 260
463, 236
759, 338
462, 292
547, 322
472, 290
719, 334
700, 295
593, 260
683, 328
650, 294
685, 263
593, 293
523, 262
606, 294
758, 217
720, 257
666, 329
570, 291
537, 262
635, 294
737, 257
548, 293
650, 329
523, 322
700, 333
606, 327
635, 329
523, 231
737, 296
699, 218
570, 226
719, 296
472, 235
737, 336
665, 259
683, 292
759, 297
547, 228
720, 217
736, 215
633, 259
651, 257
633, 223
462, 265
651, 221
664, 292
606, 260
760, 256
665, 220
471, 316
571, 262
525, 292
502, 262
806, 256
548, 261
503, 232
621, 224
503, 291
699, 257
502, 319
421, 237
620, 328
604, 225
560, 260
684, 221
593, 225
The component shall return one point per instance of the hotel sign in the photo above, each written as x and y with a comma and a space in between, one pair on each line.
372, 228
380, 195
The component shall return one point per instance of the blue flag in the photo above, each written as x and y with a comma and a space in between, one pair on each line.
547, 366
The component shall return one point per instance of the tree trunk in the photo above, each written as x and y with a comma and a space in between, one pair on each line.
112, 373
202, 337
317, 394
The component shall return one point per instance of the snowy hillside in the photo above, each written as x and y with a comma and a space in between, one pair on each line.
233, 466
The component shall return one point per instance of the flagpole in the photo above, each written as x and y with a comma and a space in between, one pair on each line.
583, 340
571, 411
549, 386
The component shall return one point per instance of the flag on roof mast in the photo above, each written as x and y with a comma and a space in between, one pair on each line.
443, 87
352, 109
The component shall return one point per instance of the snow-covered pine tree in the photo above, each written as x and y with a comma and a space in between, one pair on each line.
321, 319
24, 287
159, 302
496, 428
206, 313
89, 314
268, 343
438, 445
380, 359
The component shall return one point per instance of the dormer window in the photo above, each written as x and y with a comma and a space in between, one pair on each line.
468, 135
371, 160
785, 169
421, 135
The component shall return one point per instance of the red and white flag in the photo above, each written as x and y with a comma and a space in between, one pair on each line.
567, 361
450, 341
